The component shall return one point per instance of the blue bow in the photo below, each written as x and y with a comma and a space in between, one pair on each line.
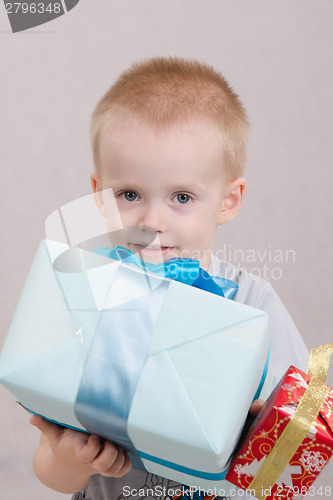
187, 271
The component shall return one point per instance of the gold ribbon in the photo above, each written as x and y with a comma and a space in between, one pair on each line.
299, 425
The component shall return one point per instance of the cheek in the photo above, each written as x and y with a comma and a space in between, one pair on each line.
190, 233
201, 221
199, 231
127, 215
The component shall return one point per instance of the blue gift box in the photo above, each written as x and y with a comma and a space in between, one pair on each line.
164, 369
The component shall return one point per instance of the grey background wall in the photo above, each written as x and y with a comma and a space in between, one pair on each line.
278, 56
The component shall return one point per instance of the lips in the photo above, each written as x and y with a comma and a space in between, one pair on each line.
153, 251
156, 248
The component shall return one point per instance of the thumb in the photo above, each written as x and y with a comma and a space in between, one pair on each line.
51, 430
256, 406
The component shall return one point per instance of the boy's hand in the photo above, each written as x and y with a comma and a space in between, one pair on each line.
67, 457
256, 406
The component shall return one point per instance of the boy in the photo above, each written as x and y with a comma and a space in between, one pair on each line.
170, 139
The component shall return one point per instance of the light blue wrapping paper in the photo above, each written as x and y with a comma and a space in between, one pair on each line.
181, 376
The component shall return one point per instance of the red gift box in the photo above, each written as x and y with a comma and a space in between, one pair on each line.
311, 456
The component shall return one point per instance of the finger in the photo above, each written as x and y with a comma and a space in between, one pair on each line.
126, 466
120, 467
50, 429
87, 447
109, 458
256, 406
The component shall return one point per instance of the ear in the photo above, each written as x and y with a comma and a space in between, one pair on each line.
233, 200
97, 186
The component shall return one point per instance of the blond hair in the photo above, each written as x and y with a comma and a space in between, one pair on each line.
163, 92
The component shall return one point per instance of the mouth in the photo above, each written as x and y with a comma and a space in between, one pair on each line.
153, 251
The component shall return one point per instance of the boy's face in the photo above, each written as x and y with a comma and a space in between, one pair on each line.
170, 186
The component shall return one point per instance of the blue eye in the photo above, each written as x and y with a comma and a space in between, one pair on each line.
183, 198
129, 195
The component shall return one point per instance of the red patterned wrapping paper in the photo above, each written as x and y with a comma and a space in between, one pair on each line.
310, 458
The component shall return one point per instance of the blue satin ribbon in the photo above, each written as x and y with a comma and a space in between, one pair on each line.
112, 370
187, 271
210, 476
263, 377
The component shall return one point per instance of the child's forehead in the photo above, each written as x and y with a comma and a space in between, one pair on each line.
186, 152
133, 144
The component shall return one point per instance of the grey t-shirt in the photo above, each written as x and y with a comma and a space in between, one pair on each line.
286, 348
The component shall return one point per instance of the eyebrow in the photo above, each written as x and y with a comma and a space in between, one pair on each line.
192, 185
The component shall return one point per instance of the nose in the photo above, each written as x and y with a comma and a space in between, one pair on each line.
153, 217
